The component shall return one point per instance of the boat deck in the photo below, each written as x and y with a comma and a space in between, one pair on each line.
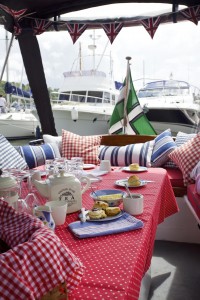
175, 271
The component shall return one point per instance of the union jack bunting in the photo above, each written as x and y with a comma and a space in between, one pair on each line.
112, 30
151, 25
40, 26
192, 14
75, 30
16, 14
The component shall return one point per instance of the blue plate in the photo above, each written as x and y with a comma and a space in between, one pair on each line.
119, 215
98, 193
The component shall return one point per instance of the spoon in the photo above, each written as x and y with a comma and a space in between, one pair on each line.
128, 191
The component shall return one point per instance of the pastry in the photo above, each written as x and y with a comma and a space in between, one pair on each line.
112, 211
97, 213
100, 204
134, 167
134, 180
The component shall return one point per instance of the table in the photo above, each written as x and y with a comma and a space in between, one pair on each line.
115, 264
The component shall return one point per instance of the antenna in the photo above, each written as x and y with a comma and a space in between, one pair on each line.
93, 46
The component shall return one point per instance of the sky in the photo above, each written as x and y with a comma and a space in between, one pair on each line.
174, 49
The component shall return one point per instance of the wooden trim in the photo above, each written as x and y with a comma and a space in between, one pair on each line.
122, 140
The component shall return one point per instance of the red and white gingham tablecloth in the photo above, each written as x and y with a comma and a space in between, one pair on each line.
37, 261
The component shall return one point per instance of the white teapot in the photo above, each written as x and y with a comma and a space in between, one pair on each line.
63, 186
8, 188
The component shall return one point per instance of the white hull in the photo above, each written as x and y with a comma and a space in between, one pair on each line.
175, 128
18, 124
91, 119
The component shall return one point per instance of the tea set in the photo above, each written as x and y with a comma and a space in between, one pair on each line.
62, 189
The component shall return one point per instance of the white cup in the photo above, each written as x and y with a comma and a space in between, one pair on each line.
59, 211
105, 165
134, 204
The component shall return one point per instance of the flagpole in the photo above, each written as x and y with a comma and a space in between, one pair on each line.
128, 58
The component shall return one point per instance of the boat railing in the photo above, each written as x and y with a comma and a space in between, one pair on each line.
69, 98
20, 103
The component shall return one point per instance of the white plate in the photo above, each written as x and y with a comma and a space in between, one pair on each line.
141, 169
104, 219
123, 182
88, 166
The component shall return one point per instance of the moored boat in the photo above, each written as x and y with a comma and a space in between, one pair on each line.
17, 121
171, 104
85, 101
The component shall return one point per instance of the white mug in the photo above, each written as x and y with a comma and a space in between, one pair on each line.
134, 204
59, 211
105, 165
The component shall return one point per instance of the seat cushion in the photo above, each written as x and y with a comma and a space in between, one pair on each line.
87, 147
181, 138
36, 155
53, 139
9, 157
175, 176
186, 157
164, 144
125, 155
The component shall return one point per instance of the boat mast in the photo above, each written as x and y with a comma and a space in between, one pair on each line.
93, 47
80, 59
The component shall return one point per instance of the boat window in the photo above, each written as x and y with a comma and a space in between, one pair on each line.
64, 96
94, 97
106, 97
78, 96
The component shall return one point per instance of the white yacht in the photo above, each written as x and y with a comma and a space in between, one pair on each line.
85, 101
171, 104
18, 121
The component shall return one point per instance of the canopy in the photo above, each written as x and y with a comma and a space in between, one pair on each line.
19, 16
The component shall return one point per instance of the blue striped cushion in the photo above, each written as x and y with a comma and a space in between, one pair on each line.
36, 155
125, 155
9, 157
164, 144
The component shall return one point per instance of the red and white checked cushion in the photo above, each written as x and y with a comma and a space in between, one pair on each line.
186, 157
87, 147
37, 262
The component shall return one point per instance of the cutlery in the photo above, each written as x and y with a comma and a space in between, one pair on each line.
128, 191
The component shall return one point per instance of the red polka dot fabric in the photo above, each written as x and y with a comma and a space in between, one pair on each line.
115, 264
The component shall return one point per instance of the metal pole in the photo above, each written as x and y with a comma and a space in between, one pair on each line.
126, 92
6, 59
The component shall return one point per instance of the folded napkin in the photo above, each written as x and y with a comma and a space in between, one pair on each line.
95, 173
90, 229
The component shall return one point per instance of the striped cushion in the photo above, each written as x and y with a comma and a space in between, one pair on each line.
36, 155
181, 139
9, 157
125, 155
186, 157
164, 144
